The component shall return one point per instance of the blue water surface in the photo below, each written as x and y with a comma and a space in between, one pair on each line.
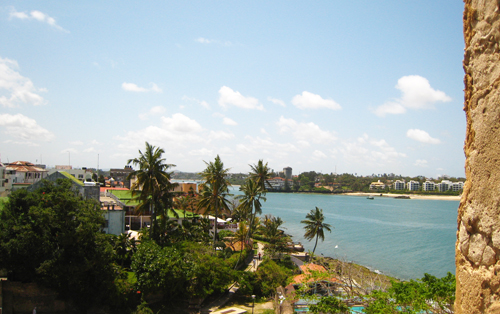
404, 238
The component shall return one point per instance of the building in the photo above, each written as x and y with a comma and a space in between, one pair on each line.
399, 185
288, 173
429, 186
88, 190
23, 172
277, 183
82, 174
444, 186
457, 186
413, 185
377, 185
120, 175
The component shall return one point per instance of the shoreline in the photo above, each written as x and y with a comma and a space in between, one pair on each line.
411, 196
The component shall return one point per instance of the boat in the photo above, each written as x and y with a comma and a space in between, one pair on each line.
370, 197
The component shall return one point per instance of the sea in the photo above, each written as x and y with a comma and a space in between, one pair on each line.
403, 238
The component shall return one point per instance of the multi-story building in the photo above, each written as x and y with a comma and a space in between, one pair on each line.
120, 175
277, 183
413, 185
444, 186
429, 186
377, 185
457, 186
288, 173
399, 185
82, 174
24, 172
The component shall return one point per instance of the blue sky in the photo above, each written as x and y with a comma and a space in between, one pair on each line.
348, 86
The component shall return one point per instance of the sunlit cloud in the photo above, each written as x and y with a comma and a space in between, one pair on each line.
421, 136
26, 129
276, 101
305, 131
309, 100
19, 89
229, 97
416, 93
155, 111
38, 16
131, 87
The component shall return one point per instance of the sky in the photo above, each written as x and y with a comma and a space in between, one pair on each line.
361, 87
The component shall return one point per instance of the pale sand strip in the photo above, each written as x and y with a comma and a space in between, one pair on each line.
412, 196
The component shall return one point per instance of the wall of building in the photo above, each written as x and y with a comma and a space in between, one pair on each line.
478, 230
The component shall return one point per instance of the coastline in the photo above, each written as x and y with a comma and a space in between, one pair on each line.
411, 196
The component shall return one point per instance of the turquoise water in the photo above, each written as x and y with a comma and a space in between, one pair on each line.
402, 238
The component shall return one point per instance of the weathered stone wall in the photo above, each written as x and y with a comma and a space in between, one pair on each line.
478, 242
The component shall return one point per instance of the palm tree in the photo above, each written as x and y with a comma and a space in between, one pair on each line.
260, 173
315, 226
215, 193
250, 201
152, 186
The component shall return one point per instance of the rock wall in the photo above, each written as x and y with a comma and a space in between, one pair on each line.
478, 234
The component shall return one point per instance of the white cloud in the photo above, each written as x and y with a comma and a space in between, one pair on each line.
181, 123
228, 97
416, 93
18, 88
89, 150
202, 152
228, 121
69, 150
421, 163
76, 143
202, 40
220, 135
276, 101
319, 154
24, 128
312, 101
305, 131
203, 103
36, 15
131, 87
421, 136
155, 111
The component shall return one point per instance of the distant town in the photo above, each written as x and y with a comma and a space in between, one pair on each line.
21, 174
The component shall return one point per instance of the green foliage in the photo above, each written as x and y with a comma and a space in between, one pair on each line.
187, 269
427, 295
52, 236
329, 304
225, 234
315, 226
270, 276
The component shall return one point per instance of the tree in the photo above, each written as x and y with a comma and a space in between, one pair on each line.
315, 226
329, 304
152, 187
260, 173
250, 201
215, 193
53, 237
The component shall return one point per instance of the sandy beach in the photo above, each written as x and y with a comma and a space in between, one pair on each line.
411, 196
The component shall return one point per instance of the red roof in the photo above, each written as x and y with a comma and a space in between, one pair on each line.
24, 166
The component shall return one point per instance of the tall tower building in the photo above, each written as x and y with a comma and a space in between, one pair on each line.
288, 173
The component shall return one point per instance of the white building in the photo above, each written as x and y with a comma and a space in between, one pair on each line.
457, 186
429, 186
399, 185
277, 183
377, 185
444, 186
413, 185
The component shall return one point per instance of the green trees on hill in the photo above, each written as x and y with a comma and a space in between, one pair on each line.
52, 237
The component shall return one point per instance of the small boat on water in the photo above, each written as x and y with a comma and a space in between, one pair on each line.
370, 198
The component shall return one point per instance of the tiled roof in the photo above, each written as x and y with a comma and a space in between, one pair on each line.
24, 166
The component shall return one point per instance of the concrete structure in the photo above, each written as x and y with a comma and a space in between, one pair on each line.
399, 185
377, 185
413, 185
87, 191
457, 186
288, 173
120, 175
115, 219
444, 185
477, 251
83, 174
24, 172
429, 186
277, 183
